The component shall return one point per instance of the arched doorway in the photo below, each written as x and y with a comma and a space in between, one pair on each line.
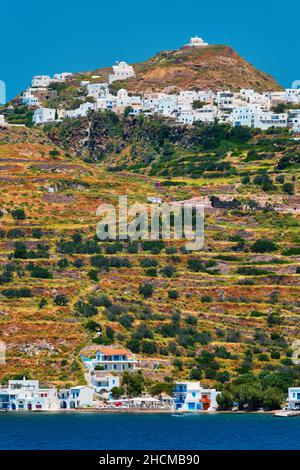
29, 406
63, 404
13, 406
72, 404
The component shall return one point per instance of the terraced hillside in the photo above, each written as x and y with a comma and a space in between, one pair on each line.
229, 309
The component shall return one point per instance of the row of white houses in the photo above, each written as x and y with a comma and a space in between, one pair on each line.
245, 108
191, 396
27, 395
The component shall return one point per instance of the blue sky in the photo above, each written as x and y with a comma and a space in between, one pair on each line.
63, 35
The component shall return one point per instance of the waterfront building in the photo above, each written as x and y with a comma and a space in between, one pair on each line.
293, 400
191, 396
27, 395
80, 396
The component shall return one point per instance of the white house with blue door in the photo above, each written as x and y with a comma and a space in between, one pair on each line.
293, 400
191, 396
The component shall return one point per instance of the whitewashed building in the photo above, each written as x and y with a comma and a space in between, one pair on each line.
162, 103
225, 100
123, 99
292, 95
267, 120
191, 396
102, 381
294, 120
293, 400
197, 42
97, 90
80, 396
121, 71
42, 115
204, 114
81, 111
111, 358
29, 99
27, 395
61, 77
255, 118
40, 81
2, 119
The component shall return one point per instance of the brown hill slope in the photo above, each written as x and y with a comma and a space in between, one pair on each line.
215, 67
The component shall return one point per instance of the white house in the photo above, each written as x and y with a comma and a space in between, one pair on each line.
102, 381
277, 96
81, 111
160, 103
28, 396
225, 100
29, 99
266, 120
80, 396
61, 77
123, 99
106, 103
111, 358
2, 119
121, 71
293, 400
205, 114
253, 117
294, 120
97, 90
197, 42
41, 81
191, 396
292, 95
252, 97
42, 115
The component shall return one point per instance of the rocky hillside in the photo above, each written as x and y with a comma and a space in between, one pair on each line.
212, 67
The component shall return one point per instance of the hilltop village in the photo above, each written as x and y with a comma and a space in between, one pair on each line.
246, 107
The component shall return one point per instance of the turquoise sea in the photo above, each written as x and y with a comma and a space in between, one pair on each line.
94, 431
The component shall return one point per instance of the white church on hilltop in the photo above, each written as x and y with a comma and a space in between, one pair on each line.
197, 42
121, 71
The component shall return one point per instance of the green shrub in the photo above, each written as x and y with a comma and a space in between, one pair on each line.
146, 290
264, 246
